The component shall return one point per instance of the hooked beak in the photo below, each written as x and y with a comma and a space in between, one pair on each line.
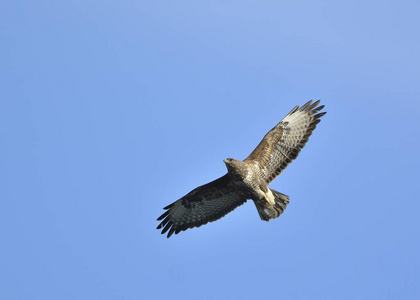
228, 161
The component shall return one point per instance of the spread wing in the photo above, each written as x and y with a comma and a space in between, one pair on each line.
283, 143
204, 204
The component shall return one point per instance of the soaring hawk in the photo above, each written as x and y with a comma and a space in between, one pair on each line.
248, 179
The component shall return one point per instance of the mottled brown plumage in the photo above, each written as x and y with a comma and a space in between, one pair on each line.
247, 179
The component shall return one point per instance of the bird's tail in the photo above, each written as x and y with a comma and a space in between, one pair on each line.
269, 212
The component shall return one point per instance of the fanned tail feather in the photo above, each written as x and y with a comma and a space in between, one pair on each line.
272, 212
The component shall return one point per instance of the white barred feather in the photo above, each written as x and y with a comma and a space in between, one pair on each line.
283, 143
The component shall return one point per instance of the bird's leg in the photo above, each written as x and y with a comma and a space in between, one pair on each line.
266, 196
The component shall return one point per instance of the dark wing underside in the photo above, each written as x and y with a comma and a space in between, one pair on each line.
283, 143
204, 204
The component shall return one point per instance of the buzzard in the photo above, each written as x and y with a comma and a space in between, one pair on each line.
248, 179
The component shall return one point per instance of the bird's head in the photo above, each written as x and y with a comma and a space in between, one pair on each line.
236, 168
231, 163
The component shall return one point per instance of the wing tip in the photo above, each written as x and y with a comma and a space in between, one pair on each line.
163, 215
169, 206
294, 109
304, 106
319, 115
310, 107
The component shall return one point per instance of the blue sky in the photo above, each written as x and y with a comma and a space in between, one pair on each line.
110, 110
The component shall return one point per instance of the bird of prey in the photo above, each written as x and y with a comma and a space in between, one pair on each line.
247, 179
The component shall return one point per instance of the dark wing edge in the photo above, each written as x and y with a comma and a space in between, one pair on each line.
204, 204
282, 144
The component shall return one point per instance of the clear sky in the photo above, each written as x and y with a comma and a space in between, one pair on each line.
111, 110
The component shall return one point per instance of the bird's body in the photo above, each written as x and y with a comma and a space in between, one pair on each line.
248, 179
